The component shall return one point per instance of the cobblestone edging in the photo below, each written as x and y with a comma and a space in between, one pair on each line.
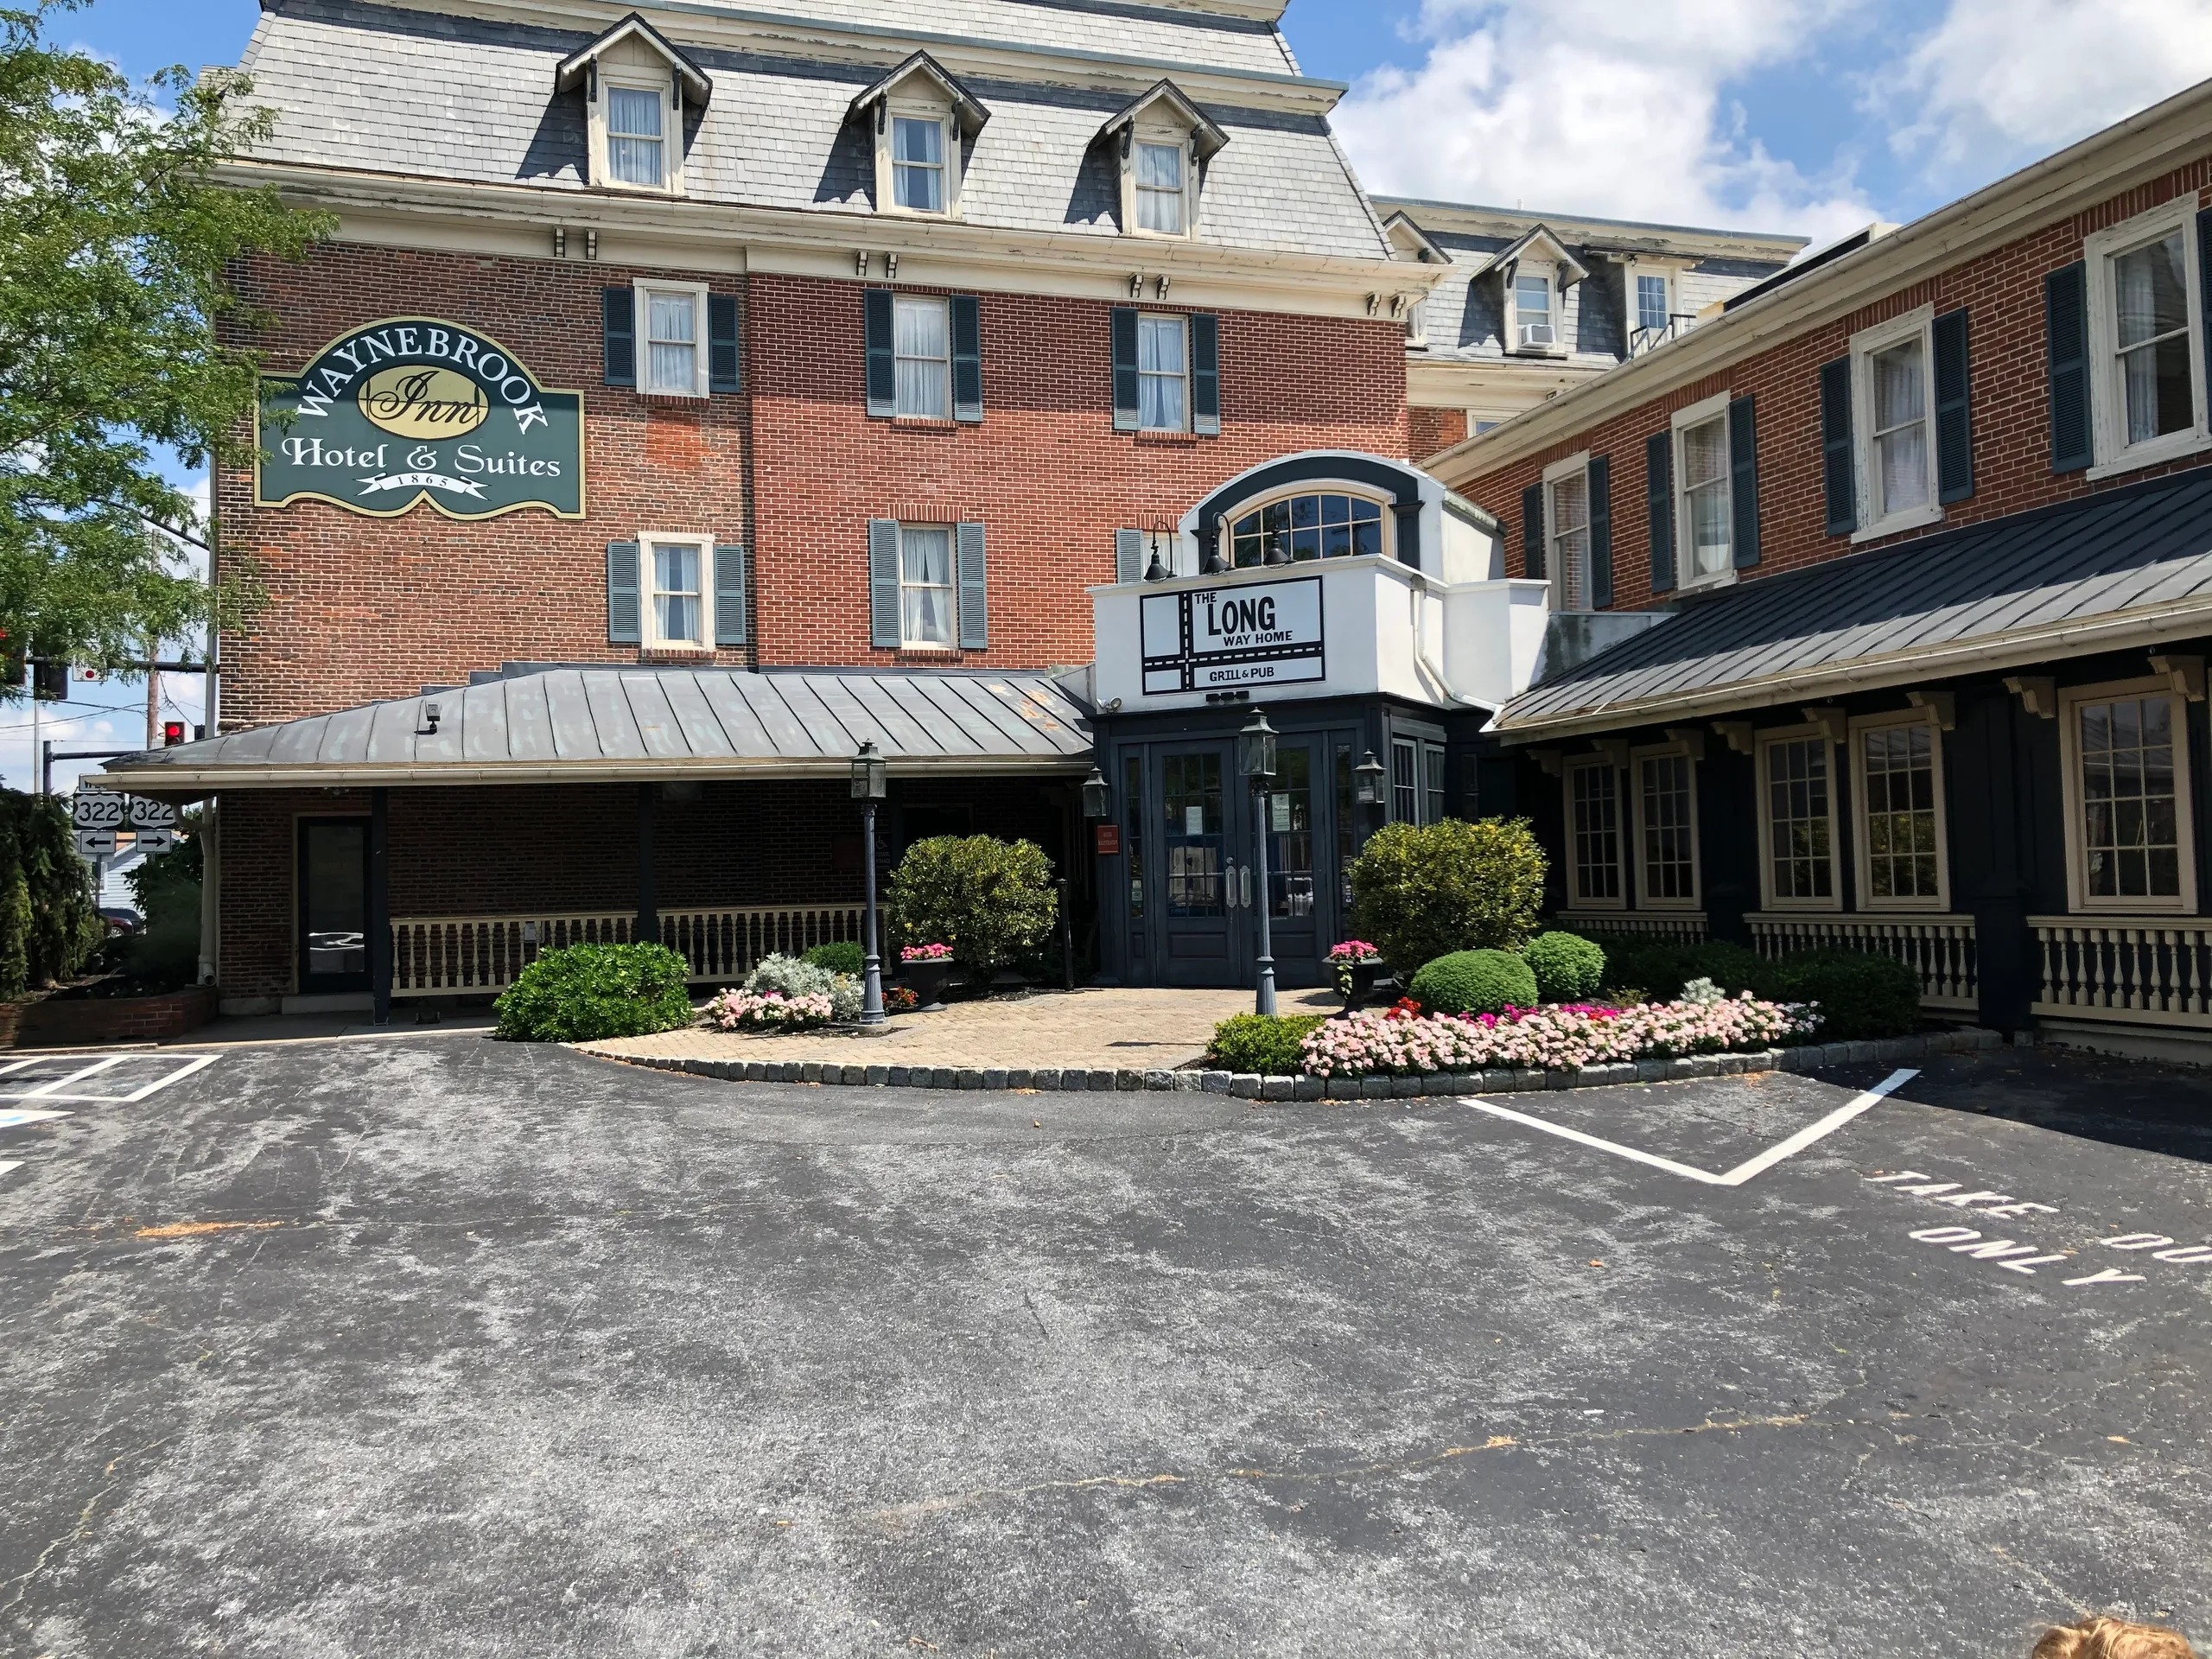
1251, 1086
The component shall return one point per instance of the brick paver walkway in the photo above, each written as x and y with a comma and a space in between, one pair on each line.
1121, 1030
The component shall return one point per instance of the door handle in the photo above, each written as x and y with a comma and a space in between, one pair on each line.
1244, 885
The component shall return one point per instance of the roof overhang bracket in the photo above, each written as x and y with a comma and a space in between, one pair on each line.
2038, 693
2184, 674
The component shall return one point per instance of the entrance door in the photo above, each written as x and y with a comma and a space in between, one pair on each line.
1202, 934
334, 905
1298, 902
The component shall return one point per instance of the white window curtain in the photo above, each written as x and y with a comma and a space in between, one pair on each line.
918, 163
1900, 376
634, 136
922, 345
672, 342
1160, 187
2151, 293
1704, 488
1160, 374
925, 584
678, 612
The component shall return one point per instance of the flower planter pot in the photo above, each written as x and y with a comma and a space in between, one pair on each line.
928, 980
1364, 975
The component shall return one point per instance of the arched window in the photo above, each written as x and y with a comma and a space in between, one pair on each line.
1325, 524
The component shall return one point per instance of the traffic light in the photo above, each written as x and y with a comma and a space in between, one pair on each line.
172, 733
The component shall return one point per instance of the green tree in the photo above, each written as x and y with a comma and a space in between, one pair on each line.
1424, 891
991, 900
115, 246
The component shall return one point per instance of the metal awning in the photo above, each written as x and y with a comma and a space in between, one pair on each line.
2120, 569
599, 725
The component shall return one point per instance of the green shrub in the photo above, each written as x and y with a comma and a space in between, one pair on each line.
1862, 995
1568, 968
1474, 981
584, 993
990, 901
1265, 1042
49, 922
1660, 968
1424, 891
841, 957
165, 890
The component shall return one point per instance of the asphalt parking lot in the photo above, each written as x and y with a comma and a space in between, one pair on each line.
435, 1346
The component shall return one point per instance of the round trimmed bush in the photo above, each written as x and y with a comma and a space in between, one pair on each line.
1267, 1044
1568, 968
839, 956
1474, 981
584, 993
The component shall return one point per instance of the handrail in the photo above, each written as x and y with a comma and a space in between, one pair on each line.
2146, 969
1939, 946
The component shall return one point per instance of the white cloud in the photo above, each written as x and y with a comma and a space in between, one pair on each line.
2000, 82
1610, 107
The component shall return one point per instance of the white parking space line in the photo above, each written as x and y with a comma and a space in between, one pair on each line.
65, 1088
47, 1091
1743, 1172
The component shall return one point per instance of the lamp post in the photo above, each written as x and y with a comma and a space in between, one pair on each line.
1256, 758
869, 773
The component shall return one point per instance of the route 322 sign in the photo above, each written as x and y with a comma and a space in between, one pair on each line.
96, 816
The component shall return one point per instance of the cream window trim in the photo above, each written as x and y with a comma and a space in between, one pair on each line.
1714, 408
1555, 315
1767, 742
1919, 323
645, 292
2078, 897
2107, 395
889, 111
632, 77
649, 632
1178, 138
1576, 896
1637, 868
1862, 855
1570, 581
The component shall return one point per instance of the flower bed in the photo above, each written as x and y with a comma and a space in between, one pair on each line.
1402, 1041
768, 1011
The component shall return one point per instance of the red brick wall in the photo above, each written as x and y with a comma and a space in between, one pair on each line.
1435, 428
1045, 472
360, 608
2003, 291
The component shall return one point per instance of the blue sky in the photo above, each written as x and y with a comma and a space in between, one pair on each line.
1804, 115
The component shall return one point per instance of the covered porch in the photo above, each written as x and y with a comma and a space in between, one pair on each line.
431, 846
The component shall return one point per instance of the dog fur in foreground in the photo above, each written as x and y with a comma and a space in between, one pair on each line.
2113, 1638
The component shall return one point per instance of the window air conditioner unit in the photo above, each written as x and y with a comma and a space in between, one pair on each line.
1535, 334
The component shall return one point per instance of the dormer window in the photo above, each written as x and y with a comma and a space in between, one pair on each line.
637, 87
1536, 272
1162, 142
921, 119
1534, 329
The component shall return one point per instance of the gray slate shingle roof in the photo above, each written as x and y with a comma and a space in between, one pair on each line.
382, 89
2009, 592
589, 724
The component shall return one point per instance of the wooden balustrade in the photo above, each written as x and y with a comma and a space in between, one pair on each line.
468, 955
1683, 926
2149, 969
1938, 948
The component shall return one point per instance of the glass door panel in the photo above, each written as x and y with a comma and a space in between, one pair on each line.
334, 869
1202, 905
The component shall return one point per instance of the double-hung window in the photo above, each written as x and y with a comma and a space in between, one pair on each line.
918, 163
1651, 306
1593, 815
1567, 529
1159, 189
1798, 825
677, 611
1893, 389
2147, 352
635, 140
1901, 858
672, 321
1665, 801
1706, 511
1535, 328
2130, 838
1163, 374
922, 342
926, 585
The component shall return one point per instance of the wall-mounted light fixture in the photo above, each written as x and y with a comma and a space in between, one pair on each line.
1097, 801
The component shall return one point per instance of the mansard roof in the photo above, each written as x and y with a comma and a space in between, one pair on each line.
358, 87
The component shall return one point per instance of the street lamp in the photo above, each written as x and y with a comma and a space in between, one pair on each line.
1367, 788
869, 775
1256, 758
1096, 802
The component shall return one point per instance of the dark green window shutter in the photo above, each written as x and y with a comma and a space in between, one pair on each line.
619, 312
1659, 506
1206, 374
622, 594
1601, 532
1953, 420
883, 623
967, 359
1838, 465
1532, 532
1125, 368
721, 342
2066, 336
729, 593
974, 618
1744, 480
1128, 555
882, 366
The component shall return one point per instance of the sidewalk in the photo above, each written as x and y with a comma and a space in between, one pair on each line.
1096, 1029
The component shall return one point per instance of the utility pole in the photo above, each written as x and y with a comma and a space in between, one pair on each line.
153, 692
30, 667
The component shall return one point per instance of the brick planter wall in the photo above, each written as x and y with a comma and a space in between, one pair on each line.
85, 1021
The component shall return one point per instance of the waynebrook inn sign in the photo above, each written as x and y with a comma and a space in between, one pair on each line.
413, 409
